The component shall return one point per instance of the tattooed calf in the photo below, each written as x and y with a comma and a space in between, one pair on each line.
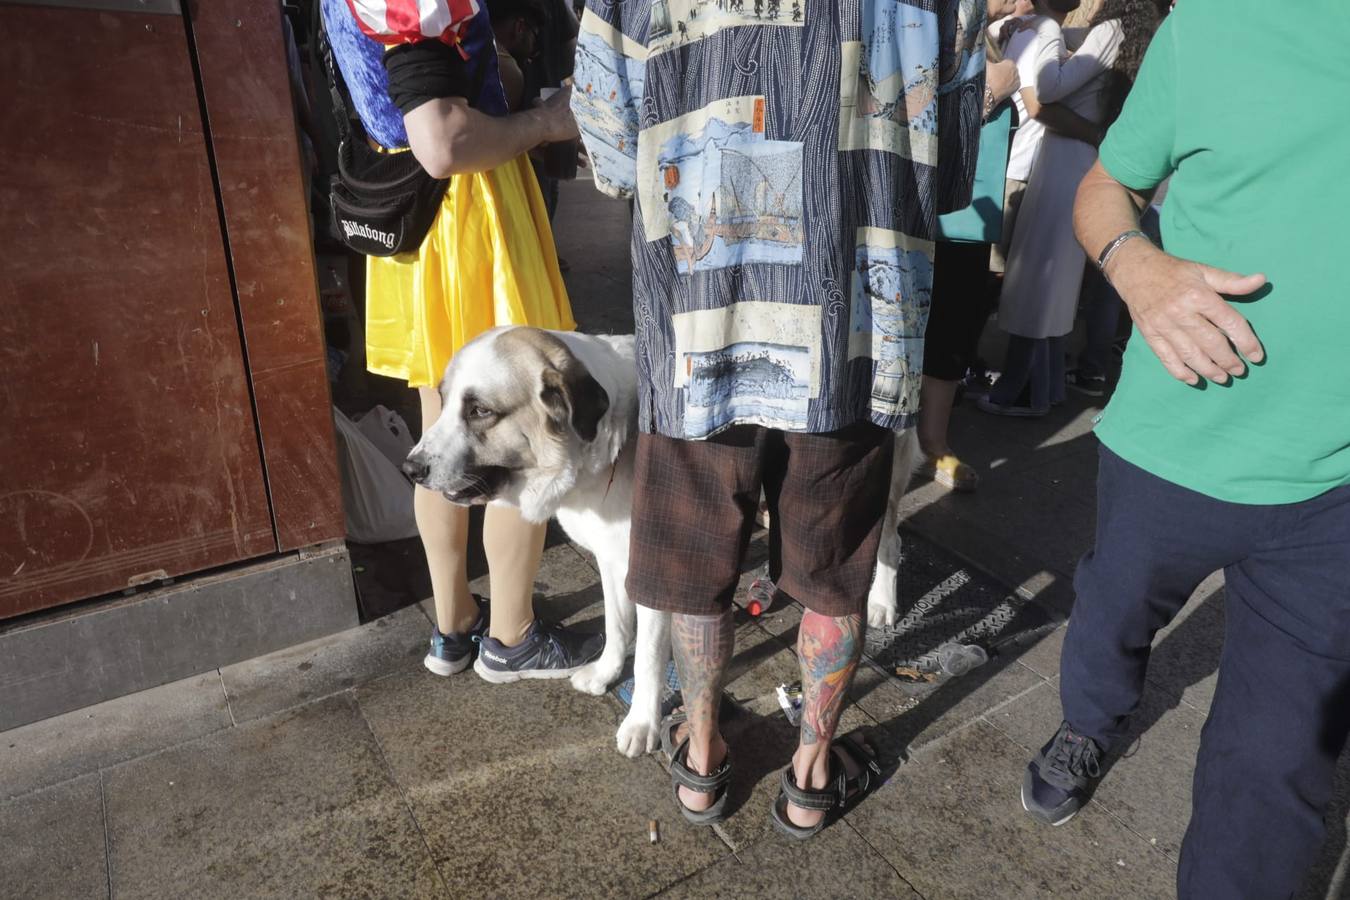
829, 649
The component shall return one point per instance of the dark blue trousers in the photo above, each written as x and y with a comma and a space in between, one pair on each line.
1281, 710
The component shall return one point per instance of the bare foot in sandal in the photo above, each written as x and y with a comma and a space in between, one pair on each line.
695, 801
698, 801
800, 812
815, 778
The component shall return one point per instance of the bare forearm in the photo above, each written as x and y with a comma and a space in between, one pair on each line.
1103, 210
1061, 119
449, 138
1177, 305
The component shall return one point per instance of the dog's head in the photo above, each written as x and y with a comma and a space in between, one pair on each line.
518, 408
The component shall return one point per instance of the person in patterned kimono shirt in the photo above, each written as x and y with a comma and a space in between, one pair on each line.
788, 160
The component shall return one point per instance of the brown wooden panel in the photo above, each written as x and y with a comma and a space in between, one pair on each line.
253, 132
127, 443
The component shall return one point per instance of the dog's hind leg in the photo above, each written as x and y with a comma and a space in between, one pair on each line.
596, 677
639, 732
881, 600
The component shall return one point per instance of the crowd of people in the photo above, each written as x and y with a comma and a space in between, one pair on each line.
797, 239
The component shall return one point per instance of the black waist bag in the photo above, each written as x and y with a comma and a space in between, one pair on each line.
383, 203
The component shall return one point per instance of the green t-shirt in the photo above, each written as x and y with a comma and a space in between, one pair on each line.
1247, 106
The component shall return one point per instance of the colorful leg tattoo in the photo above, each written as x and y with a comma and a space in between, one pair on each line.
829, 650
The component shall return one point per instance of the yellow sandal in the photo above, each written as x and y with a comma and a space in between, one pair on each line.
948, 471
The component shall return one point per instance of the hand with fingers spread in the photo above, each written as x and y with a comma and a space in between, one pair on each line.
1179, 308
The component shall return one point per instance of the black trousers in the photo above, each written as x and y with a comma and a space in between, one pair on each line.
1281, 709
960, 308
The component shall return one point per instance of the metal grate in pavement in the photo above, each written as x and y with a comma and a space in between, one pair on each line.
943, 600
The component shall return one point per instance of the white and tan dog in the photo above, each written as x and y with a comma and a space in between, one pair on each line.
545, 421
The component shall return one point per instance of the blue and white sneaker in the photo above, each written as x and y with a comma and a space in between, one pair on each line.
1061, 778
452, 653
548, 651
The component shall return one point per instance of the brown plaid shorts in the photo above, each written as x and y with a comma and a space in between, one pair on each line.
694, 504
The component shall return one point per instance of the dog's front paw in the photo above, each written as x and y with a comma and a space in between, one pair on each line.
881, 610
638, 734
596, 677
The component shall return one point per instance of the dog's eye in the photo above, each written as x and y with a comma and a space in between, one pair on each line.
479, 411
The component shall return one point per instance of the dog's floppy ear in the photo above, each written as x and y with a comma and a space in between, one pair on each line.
572, 392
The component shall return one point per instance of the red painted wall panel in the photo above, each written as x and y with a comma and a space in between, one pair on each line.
128, 449
254, 136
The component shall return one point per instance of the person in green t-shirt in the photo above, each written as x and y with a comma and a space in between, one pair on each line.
1227, 443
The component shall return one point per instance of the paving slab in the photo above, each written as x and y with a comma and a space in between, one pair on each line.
1185, 657
1148, 781
985, 443
306, 672
78, 742
52, 842
296, 805
519, 787
1065, 425
950, 822
1042, 657
836, 863
1053, 526
781, 620
1058, 454
1070, 466
934, 513
760, 662
914, 715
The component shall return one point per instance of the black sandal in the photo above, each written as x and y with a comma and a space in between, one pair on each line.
714, 783
669, 725
841, 791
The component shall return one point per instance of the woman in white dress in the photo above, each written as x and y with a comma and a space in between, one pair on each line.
1045, 263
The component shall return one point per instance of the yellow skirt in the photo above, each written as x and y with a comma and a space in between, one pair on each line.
488, 260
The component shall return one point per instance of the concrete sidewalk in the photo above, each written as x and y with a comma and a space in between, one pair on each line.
343, 769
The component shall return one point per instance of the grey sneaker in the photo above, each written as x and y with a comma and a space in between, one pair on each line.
548, 651
1061, 778
452, 653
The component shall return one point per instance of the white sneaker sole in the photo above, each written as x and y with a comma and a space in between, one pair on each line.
437, 666
1038, 818
495, 677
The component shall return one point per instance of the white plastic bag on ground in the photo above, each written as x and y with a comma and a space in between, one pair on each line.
378, 499
387, 430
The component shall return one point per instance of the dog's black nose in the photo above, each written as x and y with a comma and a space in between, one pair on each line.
416, 469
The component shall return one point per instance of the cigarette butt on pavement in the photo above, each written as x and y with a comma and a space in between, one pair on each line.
653, 831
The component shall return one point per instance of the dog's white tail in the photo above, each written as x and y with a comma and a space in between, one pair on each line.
881, 600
